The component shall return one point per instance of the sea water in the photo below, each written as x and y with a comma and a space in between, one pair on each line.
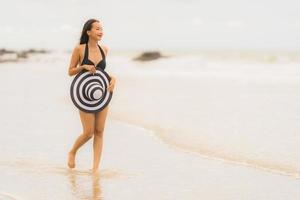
240, 107
237, 108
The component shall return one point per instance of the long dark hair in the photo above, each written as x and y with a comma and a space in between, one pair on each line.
84, 38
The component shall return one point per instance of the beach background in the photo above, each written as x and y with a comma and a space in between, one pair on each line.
216, 117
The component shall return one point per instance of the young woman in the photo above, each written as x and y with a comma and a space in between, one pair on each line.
89, 55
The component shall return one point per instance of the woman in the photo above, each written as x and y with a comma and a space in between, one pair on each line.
87, 53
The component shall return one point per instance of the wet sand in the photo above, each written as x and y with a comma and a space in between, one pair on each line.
39, 125
137, 165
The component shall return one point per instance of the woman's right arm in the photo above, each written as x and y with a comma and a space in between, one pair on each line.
73, 69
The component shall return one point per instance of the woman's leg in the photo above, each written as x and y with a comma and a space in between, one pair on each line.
100, 118
88, 124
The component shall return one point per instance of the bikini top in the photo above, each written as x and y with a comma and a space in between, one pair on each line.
87, 61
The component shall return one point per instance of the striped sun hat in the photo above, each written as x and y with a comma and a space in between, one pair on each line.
89, 91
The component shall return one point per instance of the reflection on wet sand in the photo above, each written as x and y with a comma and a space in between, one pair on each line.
79, 188
83, 184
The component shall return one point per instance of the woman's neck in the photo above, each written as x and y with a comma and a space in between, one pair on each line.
92, 43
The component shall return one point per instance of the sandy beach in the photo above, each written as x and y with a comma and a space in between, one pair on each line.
39, 124
206, 103
137, 165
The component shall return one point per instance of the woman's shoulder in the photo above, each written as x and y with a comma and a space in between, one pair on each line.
78, 47
79, 50
105, 48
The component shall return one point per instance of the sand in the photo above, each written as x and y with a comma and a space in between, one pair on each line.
39, 125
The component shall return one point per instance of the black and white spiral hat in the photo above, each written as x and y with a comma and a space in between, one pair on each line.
89, 91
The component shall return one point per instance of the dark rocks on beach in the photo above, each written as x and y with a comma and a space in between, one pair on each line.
36, 51
149, 55
4, 51
22, 54
14, 56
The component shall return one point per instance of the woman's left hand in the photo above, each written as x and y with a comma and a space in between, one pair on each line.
111, 84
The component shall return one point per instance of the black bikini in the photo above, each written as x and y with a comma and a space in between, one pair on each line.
86, 60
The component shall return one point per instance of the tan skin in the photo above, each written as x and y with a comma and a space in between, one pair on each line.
93, 123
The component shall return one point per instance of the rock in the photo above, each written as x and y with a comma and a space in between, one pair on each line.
36, 51
22, 54
4, 51
149, 55
14, 56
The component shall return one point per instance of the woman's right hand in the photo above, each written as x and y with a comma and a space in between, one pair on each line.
90, 68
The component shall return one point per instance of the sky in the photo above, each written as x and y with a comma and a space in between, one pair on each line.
153, 25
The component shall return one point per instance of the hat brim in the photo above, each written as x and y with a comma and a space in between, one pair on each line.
84, 80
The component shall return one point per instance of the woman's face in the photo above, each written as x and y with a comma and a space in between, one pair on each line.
96, 31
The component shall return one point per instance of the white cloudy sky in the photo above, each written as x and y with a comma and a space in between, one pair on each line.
156, 24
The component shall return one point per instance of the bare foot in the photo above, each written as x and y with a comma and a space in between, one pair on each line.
94, 171
71, 160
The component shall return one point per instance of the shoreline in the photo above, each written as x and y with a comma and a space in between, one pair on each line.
210, 155
136, 164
